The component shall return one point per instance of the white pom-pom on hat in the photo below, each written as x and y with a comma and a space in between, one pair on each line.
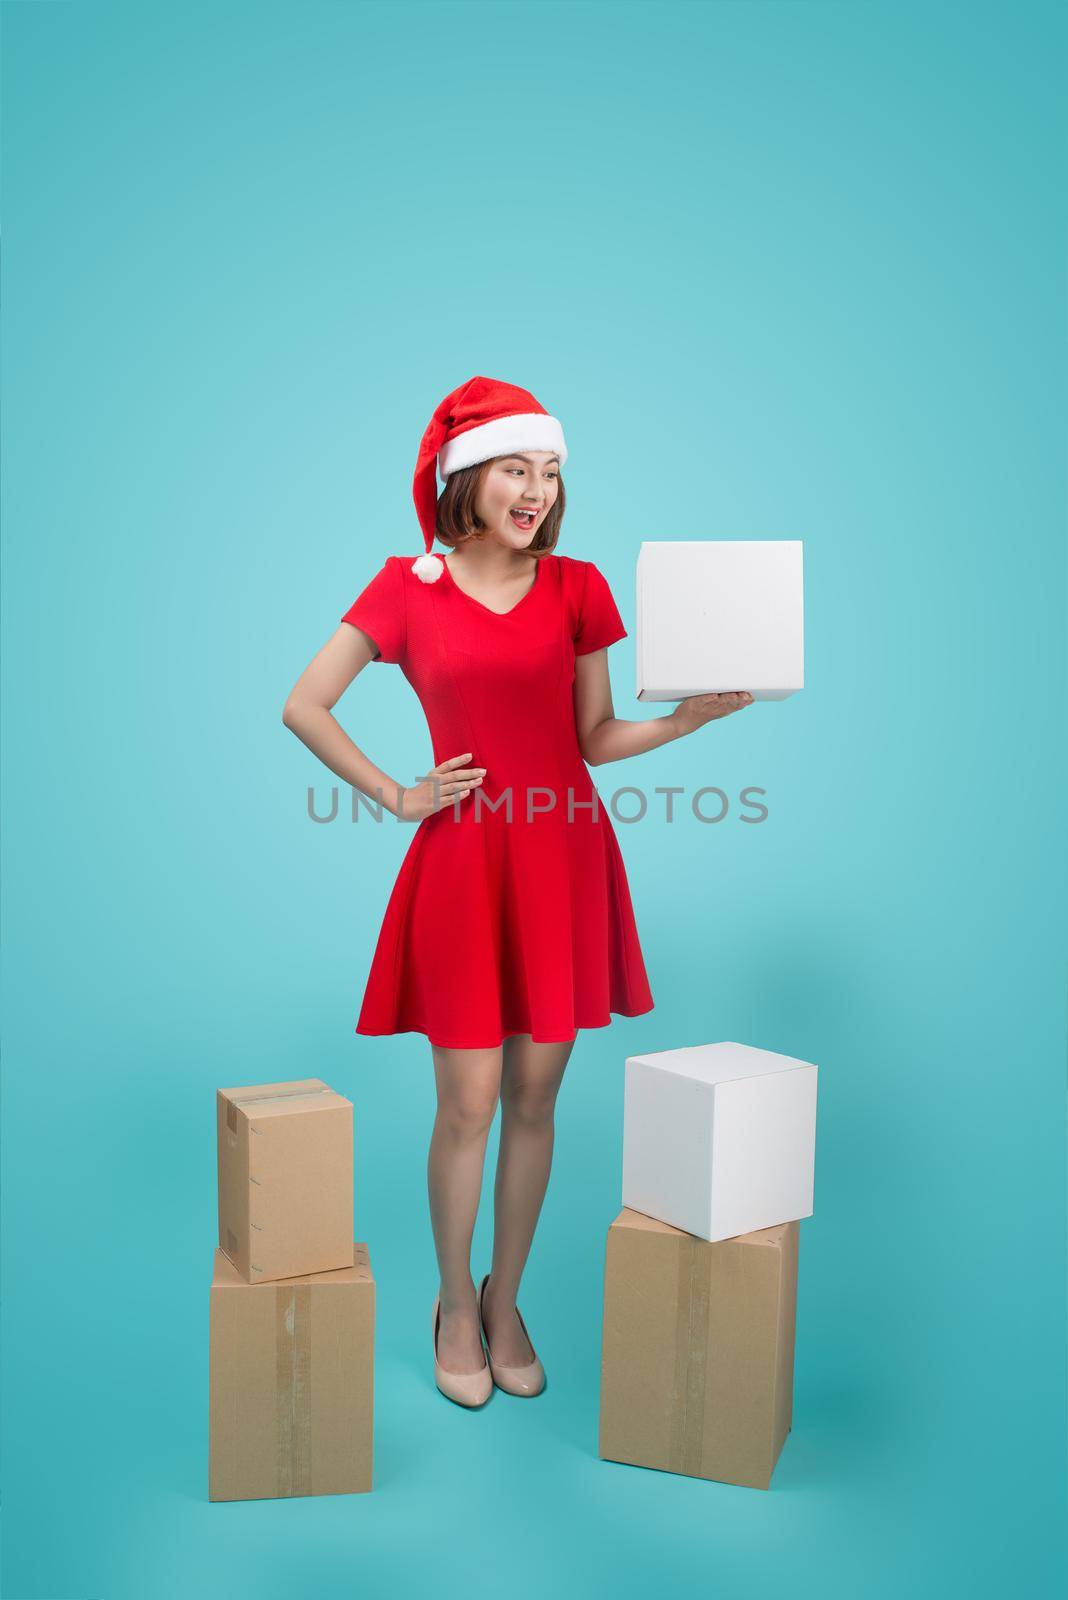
429, 568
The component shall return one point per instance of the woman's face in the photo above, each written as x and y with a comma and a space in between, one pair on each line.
511, 485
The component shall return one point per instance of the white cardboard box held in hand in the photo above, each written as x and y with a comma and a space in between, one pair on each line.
719, 1139
718, 616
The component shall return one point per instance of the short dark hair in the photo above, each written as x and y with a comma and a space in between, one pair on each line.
456, 520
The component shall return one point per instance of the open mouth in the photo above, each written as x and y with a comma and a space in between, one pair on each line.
523, 519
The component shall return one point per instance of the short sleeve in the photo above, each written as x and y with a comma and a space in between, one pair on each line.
379, 612
599, 621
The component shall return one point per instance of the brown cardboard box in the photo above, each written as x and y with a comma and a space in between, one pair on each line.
698, 1349
285, 1179
292, 1382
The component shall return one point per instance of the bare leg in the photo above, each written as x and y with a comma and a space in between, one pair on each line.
469, 1084
530, 1081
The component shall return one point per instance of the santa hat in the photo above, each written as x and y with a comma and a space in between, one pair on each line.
481, 419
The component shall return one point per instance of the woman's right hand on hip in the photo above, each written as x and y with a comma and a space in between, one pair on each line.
445, 784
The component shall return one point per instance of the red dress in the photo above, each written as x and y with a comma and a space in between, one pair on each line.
498, 926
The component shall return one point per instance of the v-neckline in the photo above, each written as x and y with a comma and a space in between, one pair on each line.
539, 562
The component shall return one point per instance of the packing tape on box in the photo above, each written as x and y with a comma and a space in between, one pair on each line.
235, 1100
292, 1334
693, 1288
282, 1094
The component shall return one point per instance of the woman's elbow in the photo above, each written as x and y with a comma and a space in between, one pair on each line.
591, 744
292, 712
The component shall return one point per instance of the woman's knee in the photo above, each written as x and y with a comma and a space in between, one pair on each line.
530, 1080
469, 1112
531, 1104
468, 1091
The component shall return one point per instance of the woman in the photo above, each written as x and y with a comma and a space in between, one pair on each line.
510, 925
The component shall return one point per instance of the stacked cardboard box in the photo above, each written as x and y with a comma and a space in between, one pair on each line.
701, 1264
292, 1300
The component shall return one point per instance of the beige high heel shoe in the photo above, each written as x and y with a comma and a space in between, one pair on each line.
527, 1381
466, 1388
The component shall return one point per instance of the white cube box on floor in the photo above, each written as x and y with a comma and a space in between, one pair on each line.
719, 1139
718, 616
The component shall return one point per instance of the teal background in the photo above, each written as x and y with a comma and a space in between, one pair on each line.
784, 271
